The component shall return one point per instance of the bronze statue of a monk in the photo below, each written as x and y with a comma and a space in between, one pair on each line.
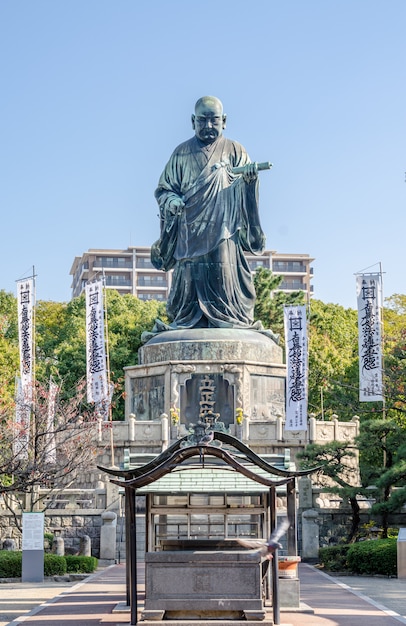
209, 218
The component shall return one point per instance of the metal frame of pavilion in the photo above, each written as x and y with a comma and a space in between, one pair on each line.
172, 459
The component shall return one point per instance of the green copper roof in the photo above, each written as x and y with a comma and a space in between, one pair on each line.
206, 480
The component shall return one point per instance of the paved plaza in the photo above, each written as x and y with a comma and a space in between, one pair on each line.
327, 601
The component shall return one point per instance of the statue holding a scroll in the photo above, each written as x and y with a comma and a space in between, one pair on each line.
209, 218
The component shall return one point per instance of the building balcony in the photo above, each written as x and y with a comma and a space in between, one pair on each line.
117, 281
99, 267
294, 285
148, 281
144, 263
281, 267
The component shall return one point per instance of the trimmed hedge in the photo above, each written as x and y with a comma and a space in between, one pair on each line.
54, 565
334, 558
10, 564
81, 564
374, 556
378, 556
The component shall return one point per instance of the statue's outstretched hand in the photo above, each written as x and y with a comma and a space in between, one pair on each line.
250, 172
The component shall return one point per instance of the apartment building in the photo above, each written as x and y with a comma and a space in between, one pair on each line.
131, 271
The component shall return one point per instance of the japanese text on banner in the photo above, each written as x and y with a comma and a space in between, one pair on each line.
95, 346
296, 363
369, 300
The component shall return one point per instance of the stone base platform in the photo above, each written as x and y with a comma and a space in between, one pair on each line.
210, 344
202, 586
241, 368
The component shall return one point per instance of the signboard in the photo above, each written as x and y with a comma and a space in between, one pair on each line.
33, 548
33, 531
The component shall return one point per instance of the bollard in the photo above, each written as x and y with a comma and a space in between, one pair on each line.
108, 538
58, 546
85, 546
9, 544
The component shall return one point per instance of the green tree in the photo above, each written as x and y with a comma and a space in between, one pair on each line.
61, 338
333, 361
338, 462
270, 302
383, 435
392, 483
9, 355
382, 460
333, 376
395, 355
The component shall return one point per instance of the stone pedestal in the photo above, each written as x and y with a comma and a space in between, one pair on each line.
289, 585
58, 546
310, 534
85, 546
199, 585
215, 368
289, 593
108, 538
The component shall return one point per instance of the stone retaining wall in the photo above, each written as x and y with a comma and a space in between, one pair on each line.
71, 525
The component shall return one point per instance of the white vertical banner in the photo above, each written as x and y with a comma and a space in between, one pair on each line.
369, 301
97, 390
296, 364
25, 309
50, 440
21, 435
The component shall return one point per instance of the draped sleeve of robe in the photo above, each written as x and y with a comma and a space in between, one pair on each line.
206, 240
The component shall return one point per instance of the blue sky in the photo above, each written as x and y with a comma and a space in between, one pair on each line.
96, 94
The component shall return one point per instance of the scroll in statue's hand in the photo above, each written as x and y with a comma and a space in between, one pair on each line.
250, 173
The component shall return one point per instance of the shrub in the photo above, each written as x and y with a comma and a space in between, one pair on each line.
81, 564
10, 564
377, 556
334, 558
54, 565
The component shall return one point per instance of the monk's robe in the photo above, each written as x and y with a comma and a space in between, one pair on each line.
205, 241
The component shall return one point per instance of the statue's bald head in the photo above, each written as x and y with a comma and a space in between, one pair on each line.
208, 119
210, 101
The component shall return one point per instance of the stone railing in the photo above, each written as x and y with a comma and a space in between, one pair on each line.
154, 436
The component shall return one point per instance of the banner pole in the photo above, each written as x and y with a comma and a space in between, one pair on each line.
110, 414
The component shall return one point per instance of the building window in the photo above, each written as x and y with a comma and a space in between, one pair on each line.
112, 261
118, 280
256, 263
292, 285
144, 263
152, 281
288, 266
